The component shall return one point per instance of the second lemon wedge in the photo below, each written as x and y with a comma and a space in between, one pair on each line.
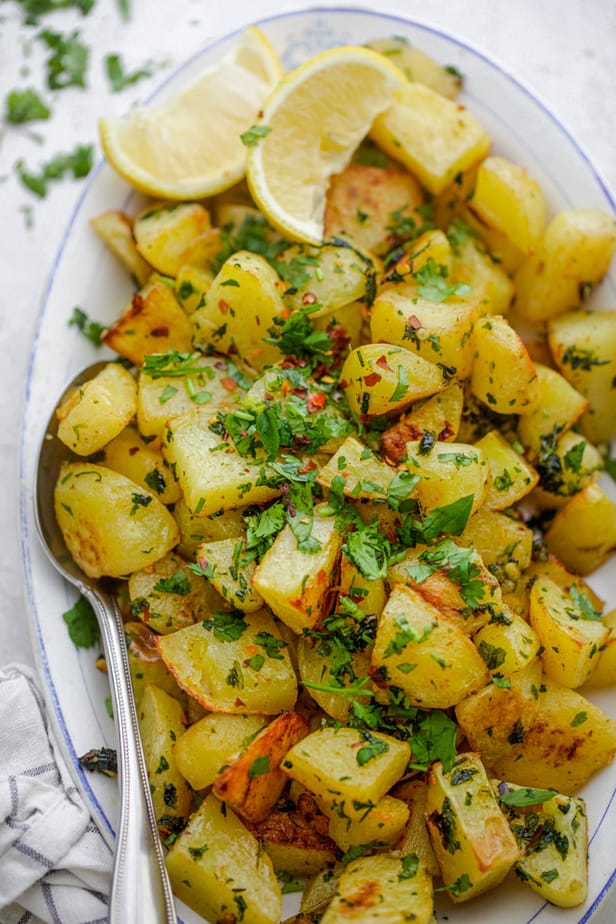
309, 127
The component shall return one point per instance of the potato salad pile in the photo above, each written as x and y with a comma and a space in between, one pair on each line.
350, 494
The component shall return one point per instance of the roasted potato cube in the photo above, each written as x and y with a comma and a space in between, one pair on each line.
294, 582
424, 653
348, 770
366, 204
508, 199
503, 377
470, 835
217, 868
570, 630
568, 740
315, 670
439, 332
368, 594
146, 664
91, 415
498, 714
415, 838
511, 477
504, 544
143, 463
553, 837
419, 66
296, 840
233, 662
453, 579
554, 569
229, 574
240, 309
604, 670
440, 415
163, 232
173, 383
116, 230
382, 887
95, 505
431, 135
191, 285
506, 642
555, 410
566, 465
473, 265
161, 723
583, 344
331, 277
223, 524
380, 378
153, 322
211, 742
253, 782
212, 475
448, 472
573, 256
583, 532
382, 826
168, 595
358, 471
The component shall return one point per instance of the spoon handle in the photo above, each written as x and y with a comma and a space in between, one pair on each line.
140, 891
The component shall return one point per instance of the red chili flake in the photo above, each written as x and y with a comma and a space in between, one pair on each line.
372, 378
382, 362
133, 450
414, 322
162, 331
308, 467
224, 306
315, 401
446, 433
228, 383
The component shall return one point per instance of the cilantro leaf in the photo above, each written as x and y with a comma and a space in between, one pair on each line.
370, 750
252, 136
33, 9
368, 549
518, 798
451, 519
82, 624
67, 65
79, 163
178, 584
92, 330
227, 626
583, 606
25, 106
434, 287
118, 77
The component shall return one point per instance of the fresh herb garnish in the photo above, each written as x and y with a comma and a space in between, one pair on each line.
82, 624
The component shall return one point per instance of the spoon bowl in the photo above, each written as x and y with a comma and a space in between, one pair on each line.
141, 891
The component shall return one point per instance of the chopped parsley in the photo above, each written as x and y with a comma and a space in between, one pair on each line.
118, 77
433, 284
78, 163
68, 62
252, 136
82, 624
91, 330
25, 106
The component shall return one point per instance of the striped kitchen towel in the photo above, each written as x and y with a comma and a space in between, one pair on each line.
54, 864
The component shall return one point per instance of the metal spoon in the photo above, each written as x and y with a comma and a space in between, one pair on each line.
140, 891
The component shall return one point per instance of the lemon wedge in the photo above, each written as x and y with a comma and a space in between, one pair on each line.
310, 125
190, 147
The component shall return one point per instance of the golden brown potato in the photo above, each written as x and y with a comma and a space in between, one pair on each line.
116, 230
253, 782
368, 203
508, 199
153, 322
164, 231
95, 505
91, 416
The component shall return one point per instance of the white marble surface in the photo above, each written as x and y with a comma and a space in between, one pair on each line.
563, 50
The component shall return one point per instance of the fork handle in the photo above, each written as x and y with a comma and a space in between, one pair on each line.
140, 891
